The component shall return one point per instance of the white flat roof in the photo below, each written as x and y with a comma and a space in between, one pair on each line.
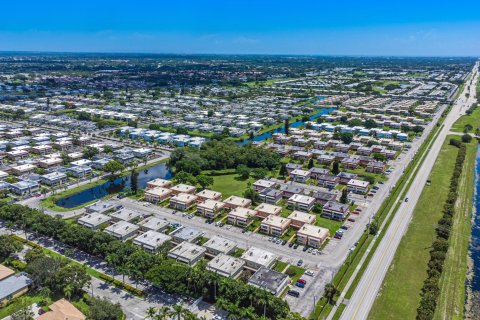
153, 223
94, 219
125, 214
220, 244
225, 265
151, 239
187, 251
121, 228
259, 256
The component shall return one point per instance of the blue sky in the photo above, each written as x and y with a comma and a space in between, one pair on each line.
422, 27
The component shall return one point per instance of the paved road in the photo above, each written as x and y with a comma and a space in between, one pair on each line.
364, 296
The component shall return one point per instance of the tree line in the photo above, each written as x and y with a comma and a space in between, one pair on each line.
431, 289
234, 296
222, 154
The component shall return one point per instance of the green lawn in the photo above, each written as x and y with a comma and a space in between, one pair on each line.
473, 120
452, 283
18, 303
298, 272
280, 266
331, 225
400, 293
230, 184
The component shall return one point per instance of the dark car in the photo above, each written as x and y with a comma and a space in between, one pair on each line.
293, 293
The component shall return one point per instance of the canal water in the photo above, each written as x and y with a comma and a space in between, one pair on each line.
117, 185
295, 124
475, 237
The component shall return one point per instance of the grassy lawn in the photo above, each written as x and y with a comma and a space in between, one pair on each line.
452, 283
400, 293
296, 271
473, 120
331, 225
280, 266
230, 184
18, 303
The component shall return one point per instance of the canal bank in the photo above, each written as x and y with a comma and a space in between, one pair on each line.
472, 307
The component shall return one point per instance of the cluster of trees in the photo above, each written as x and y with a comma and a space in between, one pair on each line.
174, 277
222, 154
8, 246
176, 312
431, 289
55, 274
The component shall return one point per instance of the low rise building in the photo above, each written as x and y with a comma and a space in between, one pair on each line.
270, 195
233, 202
49, 162
300, 218
311, 235
125, 215
210, 208
183, 201
151, 240
157, 194
255, 258
153, 223
300, 176
301, 202
23, 169
208, 195
358, 186
54, 178
269, 280
183, 188
80, 171
187, 253
218, 244
263, 184
162, 183
226, 266
102, 206
122, 230
241, 216
93, 220
186, 234
274, 225
264, 210
62, 310
13, 286
24, 187
335, 210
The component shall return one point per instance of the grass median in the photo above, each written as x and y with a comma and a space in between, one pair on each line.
399, 295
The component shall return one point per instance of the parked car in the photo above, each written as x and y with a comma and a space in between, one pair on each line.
344, 227
309, 273
406, 199
293, 293
300, 285
299, 262
351, 219
295, 246
302, 281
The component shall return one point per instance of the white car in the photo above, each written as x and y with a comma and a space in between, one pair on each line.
309, 273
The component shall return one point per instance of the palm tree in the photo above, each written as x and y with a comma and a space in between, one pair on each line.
163, 313
67, 291
330, 292
151, 312
178, 311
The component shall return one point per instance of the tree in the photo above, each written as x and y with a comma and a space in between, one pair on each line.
151, 312
344, 196
330, 292
8, 245
373, 227
107, 149
243, 171
335, 168
287, 126
346, 137
90, 152
283, 170
317, 208
252, 195
182, 130
103, 309
310, 164
8, 147
113, 166
370, 123
210, 113
73, 276
184, 177
178, 311
379, 156
259, 173
204, 181
466, 138
134, 181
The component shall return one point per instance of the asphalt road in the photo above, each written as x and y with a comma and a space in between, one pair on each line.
362, 300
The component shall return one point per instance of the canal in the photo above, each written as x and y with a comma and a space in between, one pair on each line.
115, 186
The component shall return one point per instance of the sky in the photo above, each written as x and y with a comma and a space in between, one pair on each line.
315, 27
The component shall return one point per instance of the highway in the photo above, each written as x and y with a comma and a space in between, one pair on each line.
362, 300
